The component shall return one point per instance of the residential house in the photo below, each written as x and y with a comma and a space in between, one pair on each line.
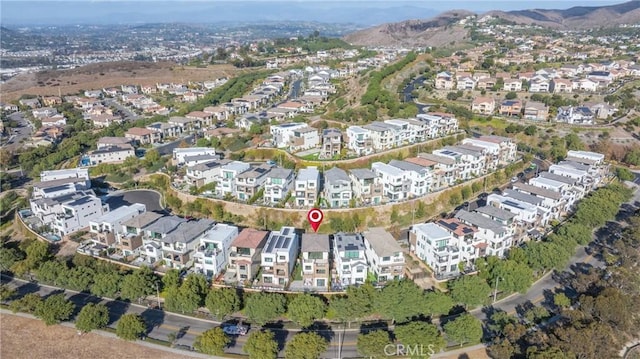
166, 130
130, 237
306, 187
74, 173
550, 199
185, 124
603, 78
384, 136
107, 228
279, 256
446, 171
575, 115
180, 154
350, 261
537, 111
304, 139
245, 255
359, 141
331, 143
483, 105
180, 245
395, 182
226, 182
465, 84
316, 267
512, 85
418, 176
151, 250
560, 85
337, 188
295, 136
68, 213
249, 183
444, 81
490, 238
204, 173
143, 136
436, 247
278, 183
585, 85
486, 83
511, 108
113, 154
105, 142
470, 163
213, 252
204, 118
384, 255
526, 214
367, 186
539, 84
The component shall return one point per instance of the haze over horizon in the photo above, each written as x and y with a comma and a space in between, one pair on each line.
361, 12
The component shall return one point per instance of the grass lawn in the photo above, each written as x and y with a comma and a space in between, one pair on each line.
494, 122
311, 157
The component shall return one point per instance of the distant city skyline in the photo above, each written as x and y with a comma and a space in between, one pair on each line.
361, 12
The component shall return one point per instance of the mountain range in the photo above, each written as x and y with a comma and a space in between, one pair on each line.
440, 30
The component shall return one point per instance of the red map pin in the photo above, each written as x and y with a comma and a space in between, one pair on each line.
315, 217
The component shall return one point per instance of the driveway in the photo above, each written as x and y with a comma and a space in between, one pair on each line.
151, 199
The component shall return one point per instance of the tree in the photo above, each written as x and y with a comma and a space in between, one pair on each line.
561, 300
140, 283
130, 327
6, 292
305, 346
264, 307
9, 257
106, 284
372, 344
92, 316
464, 329
171, 279
419, 334
222, 302
437, 303
54, 309
212, 342
624, 174
305, 308
510, 95
530, 130
261, 345
37, 253
470, 290
404, 291
27, 304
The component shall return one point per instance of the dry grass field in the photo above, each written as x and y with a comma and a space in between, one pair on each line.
29, 338
111, 74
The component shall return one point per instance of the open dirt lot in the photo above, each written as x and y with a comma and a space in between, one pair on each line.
111, 74
29, 338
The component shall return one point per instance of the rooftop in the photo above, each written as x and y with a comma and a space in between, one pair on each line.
335, 175
142, 220
308, 174
188, 231
480, 221
250, 238
165, 224
280, 240
348, 242
382, 241
314, 242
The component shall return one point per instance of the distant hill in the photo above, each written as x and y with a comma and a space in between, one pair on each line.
440, 30
431, 32
576, 18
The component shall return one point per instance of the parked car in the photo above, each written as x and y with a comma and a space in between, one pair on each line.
514, 179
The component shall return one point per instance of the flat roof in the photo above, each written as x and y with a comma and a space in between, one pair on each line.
382, 241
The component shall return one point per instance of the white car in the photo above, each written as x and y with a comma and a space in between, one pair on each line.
235, 330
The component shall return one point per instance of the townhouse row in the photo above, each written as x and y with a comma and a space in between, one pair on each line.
384, 182
248, 257
451, 246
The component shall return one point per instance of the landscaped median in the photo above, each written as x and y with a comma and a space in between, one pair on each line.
338, 219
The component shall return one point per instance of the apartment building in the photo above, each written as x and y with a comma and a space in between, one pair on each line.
307, 187
278, 183
107, 228
245, 255
212, 253
384, 254
337, 188
366, 186
316, 266
279, 256
350, 261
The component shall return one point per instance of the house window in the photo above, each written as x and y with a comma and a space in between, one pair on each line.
360, 269
244, 251
316, 255
281, 258
243, 267
307, 267
268, 279
386, 259
345, 267
268, 260
352, 254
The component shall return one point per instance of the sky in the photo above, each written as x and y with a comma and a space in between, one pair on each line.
362, 12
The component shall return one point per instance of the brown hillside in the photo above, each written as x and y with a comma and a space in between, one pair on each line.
109, 74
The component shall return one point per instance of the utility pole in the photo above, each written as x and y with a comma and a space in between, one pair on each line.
158, 295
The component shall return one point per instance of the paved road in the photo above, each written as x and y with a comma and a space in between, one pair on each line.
167, 149
16, 135
129, 115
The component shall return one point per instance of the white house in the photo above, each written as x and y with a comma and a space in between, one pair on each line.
80, 173
278, 257
307, 187
277, 185
350, 261
384, 254
114, 154
179, 154
359, 141
316, 268
107, 228
395, 182
68, 213
226, 182
420, 177
212, 254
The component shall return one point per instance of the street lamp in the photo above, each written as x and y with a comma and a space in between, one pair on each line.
158, 294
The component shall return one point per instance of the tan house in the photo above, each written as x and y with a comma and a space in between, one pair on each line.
561, 86
483, 105
244, 256
315, 260
133, 230
143, 136
537, 111
510, 108
205, 118
51, 101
